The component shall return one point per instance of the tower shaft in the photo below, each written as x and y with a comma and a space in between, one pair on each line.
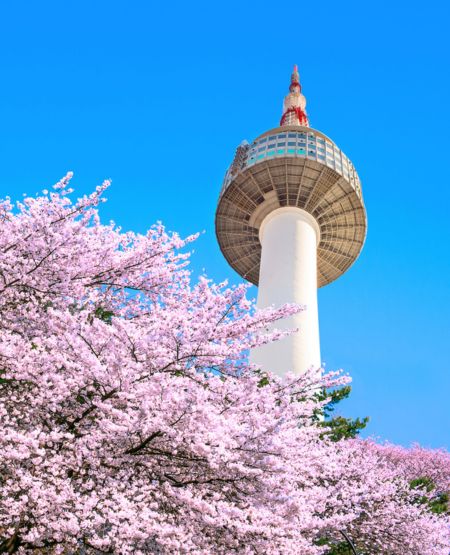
288, 274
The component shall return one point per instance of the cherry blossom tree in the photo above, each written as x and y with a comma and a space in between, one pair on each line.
132, 421
372, 488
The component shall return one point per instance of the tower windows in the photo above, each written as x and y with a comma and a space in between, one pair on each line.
300, 144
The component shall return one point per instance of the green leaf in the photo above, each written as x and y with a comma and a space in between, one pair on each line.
104, 315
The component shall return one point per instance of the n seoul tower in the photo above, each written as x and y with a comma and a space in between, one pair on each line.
290, 219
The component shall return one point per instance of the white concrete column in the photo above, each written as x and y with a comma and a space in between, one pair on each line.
288, 274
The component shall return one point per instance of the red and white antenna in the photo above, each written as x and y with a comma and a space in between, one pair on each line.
294, 105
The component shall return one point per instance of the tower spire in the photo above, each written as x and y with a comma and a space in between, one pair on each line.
294, 112
295, 80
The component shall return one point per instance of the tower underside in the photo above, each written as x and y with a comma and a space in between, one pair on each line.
300, 182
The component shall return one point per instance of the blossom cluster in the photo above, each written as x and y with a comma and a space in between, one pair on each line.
132, 421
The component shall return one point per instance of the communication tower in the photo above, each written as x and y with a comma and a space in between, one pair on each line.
290, 219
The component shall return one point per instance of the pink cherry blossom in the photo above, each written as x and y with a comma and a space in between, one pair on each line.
132, 421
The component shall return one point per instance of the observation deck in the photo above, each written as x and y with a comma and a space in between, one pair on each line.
292, 165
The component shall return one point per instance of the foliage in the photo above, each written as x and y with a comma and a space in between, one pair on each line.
133, 423
438, 501
338, 427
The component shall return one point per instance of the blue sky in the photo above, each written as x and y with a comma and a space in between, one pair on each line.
157, 96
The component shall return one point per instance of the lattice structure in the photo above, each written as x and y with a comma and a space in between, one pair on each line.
294, 106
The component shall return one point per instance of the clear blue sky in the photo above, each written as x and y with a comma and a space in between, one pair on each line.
157, 96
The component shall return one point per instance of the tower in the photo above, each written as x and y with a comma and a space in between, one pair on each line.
290, 219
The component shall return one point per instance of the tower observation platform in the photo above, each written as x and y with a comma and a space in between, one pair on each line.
291, 183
